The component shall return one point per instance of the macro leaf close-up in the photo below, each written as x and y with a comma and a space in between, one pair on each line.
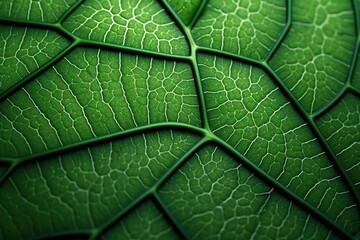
190, 119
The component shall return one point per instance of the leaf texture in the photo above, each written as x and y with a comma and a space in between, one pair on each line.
26, 50
179, 119
314, 58
39, 11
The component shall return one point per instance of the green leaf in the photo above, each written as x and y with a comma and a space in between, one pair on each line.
39, 11
142, 24
215, 197
356, 78
87, 187
186, 10
94, 93
2, 170
179, 119
341, 128
314, 58
146, 222
247, 27
249, 112
26, 50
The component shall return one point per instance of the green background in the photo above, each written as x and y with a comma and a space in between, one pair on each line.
171, 119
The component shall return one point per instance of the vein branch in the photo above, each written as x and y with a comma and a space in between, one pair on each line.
152, 192
198, 14
20, 84
98, 140
348, 87
167, 214
284, 32
311, 124
70, 11
193, 59
282, 189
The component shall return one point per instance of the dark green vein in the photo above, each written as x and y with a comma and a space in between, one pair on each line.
354, 91
97, 233
357, 22
103, 139
283, 33
76, 234
325, 108
233, 56
7, 173
176, 20
170, 217
69, 11
37, 72
41, 25
8, 160
263, 64
198, 14
194, 65
200, 93
25, 23
125, 49
357, 44
347, 86
291, 195
151, 191
107, 138
179, 163
321, 140
76, 42
91, 43
205, 132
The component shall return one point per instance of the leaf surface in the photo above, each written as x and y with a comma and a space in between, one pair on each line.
179, 119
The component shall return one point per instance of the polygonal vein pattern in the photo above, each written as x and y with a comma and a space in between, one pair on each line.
248, 28
179, 119
314, 59
146, 222
341, 128
83, 189
34, 10
140, 24
93, 93
216, 198
248, 111
185, 9
23, 50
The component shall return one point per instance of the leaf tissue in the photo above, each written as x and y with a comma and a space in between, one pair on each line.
191, 119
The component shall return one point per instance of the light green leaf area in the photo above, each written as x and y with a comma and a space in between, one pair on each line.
313, 60
247, 110
23, 50
34, 10
190, 119
248, 28
185, 9
146, 222
341, 128
86, 188
138, 24
92, 93
215, 197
